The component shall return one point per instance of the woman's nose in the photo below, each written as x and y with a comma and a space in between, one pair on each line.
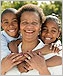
29, 25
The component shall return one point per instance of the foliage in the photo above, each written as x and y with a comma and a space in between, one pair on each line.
48, 9
52, 7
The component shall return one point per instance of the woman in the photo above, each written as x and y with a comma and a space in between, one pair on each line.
31, 18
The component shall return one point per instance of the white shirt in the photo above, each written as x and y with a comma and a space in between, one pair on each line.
5, 39
57, 70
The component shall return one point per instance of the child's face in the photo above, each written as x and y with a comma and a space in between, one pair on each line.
50, 32
10, 24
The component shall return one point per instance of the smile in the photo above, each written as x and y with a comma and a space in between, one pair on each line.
48, 38
29, 31
11, 30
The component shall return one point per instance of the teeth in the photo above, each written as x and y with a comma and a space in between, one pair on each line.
29, 31
11, 30
48, 38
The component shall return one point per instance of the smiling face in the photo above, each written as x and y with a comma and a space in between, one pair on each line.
10, 24
50, 32
30, 25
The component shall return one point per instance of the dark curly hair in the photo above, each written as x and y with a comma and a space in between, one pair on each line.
31, 8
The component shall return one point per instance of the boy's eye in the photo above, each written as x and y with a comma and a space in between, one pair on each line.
15, 20
5, 23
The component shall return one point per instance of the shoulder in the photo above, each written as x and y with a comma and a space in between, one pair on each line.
41, 43
3, 37
58, 43
19, 47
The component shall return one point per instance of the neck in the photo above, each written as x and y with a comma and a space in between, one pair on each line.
29, 46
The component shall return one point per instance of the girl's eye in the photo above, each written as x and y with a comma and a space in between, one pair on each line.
44, 29
53, 31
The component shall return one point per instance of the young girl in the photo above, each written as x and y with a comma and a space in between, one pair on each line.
50, 33
10, 32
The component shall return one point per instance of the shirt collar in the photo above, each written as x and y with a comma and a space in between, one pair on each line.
9, 37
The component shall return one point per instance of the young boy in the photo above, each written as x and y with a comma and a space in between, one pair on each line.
10, 32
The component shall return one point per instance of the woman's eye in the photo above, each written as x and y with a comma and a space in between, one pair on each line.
34, 23
24, 23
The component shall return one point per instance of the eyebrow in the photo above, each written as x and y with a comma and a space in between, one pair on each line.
4, 20
54, 28
14, 18
7, 19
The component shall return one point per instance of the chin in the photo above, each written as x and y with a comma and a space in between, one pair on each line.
47, 42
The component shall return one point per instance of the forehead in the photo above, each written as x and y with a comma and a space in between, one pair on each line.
8, 15
51, 23
30, 14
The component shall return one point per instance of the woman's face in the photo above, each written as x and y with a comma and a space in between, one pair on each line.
50, 32
30, 25
10, 24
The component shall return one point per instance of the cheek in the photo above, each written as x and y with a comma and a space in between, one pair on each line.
21, 28
55, 36
15, 24
38, 29
3, 26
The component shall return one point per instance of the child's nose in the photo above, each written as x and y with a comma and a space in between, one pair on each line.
11, 24
48, 33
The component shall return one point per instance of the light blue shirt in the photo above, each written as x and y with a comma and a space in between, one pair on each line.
5, 39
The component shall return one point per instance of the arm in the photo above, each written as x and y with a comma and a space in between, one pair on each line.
13, 45
9, 61
54, 61
4, 49
45, 50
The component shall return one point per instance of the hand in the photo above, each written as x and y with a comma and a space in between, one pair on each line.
22, 67
45, 50
37, 62
55, 48
10, 61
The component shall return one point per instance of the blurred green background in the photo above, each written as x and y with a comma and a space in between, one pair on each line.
48, 7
